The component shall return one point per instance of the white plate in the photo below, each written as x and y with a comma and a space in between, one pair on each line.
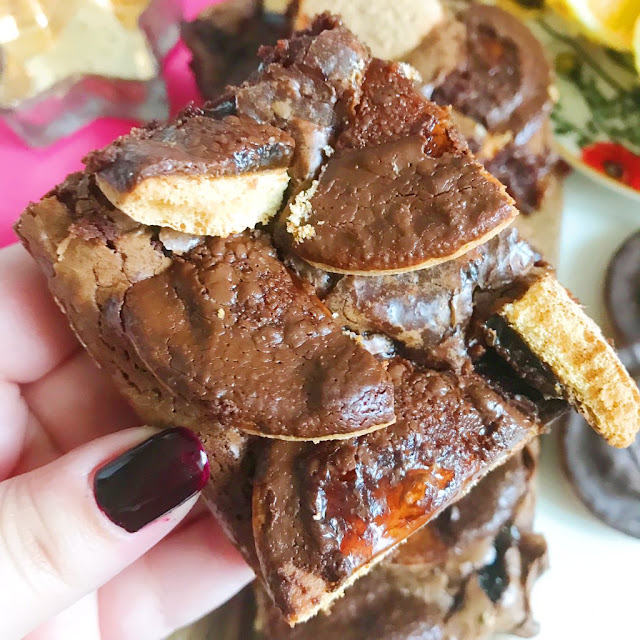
591, 590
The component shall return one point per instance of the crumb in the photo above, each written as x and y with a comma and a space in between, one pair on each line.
299, 211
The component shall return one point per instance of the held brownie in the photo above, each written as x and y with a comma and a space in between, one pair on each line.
231, 337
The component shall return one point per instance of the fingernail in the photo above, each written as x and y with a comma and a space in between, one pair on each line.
151, 479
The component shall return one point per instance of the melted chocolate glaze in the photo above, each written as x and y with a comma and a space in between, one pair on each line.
193, 144
429, 311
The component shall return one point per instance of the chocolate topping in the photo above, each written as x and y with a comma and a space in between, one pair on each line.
224, 40
622, 290
325, 511
504, 78
226, 327
429, 310
193, 144
393, 208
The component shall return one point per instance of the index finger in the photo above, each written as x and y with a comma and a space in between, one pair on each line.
34, 334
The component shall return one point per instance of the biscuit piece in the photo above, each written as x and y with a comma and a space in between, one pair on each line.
323, 515
198, 175
553, 326
402, 192
227, 329
390, 29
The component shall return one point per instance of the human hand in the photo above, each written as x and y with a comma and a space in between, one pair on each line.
66, 569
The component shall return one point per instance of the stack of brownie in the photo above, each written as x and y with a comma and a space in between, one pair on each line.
316, 274
479, 59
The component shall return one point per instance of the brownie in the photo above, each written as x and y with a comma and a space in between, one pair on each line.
241, 339
146, 303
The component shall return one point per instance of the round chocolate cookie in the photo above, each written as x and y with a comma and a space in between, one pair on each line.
622, 290
607, 479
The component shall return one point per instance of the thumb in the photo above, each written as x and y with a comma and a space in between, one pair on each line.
70, 526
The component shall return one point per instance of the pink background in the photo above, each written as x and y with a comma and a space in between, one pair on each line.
26, 173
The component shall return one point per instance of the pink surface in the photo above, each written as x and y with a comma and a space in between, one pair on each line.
26, 173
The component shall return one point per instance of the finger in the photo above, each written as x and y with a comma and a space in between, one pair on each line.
187, 575
34, 334
80, 620
78, 402
65, 528
14, 415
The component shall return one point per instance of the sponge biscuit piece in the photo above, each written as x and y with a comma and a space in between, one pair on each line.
401, 193
390, 29
552, 324
199, 175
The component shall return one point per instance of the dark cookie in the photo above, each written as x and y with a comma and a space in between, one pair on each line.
606, 479
622, 290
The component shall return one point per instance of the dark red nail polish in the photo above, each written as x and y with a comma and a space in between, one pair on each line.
149, 480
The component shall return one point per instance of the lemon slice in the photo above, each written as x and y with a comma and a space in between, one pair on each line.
636, 44
609, 22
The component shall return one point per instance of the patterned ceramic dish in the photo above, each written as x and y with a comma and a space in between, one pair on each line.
596, 120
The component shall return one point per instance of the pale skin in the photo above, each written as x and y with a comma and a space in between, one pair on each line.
66, 570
